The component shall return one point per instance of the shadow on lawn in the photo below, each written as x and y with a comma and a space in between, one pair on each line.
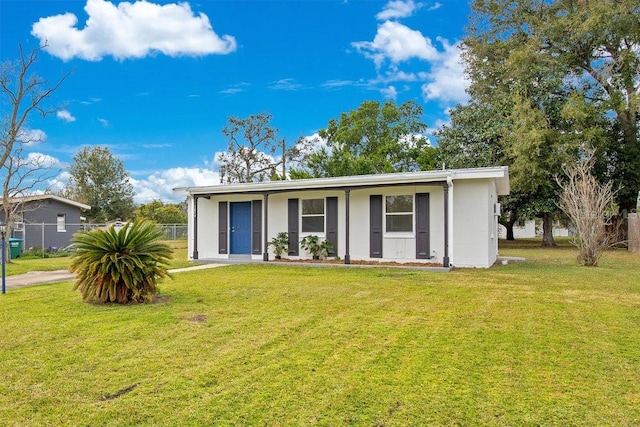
536, 243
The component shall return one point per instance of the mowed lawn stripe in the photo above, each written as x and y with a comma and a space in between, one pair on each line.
542, 342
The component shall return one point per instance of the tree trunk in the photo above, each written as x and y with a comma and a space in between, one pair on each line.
513, 217
510, 232
629, 170
547, 231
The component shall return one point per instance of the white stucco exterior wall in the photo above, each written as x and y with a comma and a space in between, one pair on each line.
400, 247
474, 224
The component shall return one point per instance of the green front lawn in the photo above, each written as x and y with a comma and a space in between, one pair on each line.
544, 342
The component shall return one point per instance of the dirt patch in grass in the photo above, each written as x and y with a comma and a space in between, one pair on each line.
119, 393
198, 318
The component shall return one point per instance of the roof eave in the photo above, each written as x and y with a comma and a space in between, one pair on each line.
499, 173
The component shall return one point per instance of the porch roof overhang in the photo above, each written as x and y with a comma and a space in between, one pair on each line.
499, 174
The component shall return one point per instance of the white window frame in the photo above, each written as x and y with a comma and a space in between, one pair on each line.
312, 215
407, 213
61, 223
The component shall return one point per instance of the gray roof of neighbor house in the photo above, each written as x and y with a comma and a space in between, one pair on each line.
38, 197
499, 173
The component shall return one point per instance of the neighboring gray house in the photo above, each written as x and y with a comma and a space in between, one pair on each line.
46, 220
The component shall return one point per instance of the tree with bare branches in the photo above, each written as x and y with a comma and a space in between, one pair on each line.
251, 154
22, 93
589, 205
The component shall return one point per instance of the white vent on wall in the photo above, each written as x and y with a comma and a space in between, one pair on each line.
497, 209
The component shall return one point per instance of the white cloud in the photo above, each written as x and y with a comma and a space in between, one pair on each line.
398, 9
236, 88
314, 142
131, 30
66, 116
40, 161
389, 93
91, 101
397, 43
338, 83
104, 122
444, 80
160, 185
31, 137
448, 81
285, 84
413, 139
60, 182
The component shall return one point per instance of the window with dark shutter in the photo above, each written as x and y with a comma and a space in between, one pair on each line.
256, 227
293, 227
222, 228
332, 224
422, 226
375, 226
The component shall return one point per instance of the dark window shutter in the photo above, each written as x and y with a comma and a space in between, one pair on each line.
293, 226
422, 226
222, 228
256, 227
332, 223
375, 226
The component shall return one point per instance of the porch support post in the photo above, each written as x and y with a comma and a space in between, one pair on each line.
195, 227
445, 257
265, 254
347, 256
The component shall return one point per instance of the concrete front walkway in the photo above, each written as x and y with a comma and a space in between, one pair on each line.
39, 277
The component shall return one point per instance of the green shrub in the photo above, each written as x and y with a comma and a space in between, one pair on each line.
38, 253
120, 265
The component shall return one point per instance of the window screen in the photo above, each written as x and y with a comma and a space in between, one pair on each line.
313, 215
399, 213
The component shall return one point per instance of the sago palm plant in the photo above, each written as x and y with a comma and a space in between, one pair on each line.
120, 265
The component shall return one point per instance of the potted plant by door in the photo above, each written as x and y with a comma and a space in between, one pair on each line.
280, 244
315, 247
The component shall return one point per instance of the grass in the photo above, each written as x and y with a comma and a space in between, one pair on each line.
544, 342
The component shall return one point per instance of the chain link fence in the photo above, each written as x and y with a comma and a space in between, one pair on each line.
49, 235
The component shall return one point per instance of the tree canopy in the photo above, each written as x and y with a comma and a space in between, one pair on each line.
548, 81
99, 179
582, 57
170, 213
374, 138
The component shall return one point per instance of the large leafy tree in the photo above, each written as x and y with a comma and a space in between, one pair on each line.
475, 138
589, 57
520, 54
374, 138
99, 179
598, 42
170, 213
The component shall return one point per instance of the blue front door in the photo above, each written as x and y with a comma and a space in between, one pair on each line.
240, 240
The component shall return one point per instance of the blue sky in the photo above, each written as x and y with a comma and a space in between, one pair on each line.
156, 80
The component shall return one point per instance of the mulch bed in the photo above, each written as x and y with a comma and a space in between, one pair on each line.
360, 262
